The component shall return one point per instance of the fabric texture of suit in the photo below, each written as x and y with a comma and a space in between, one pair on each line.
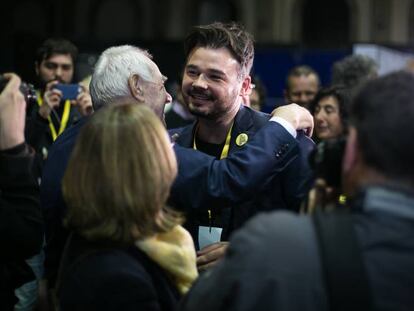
99, 276
282, 190
51, 197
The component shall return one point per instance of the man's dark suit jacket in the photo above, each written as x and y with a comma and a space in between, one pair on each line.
227, 181
283, 190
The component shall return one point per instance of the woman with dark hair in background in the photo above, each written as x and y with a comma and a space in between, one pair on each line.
330, 111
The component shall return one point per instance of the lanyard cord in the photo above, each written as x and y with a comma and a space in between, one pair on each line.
225, 150
63, 122
224, 154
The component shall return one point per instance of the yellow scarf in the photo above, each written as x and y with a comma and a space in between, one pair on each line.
174, 251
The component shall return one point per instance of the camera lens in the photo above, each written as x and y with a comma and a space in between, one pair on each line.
26, 89
326, 160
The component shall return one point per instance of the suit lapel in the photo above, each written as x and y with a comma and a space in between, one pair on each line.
185, 137
243, 123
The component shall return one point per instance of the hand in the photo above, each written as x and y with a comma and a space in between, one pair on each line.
210, 255
299, 117
12, 113
51, 99
84, 103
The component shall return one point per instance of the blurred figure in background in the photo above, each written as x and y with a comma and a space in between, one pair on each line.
21, 222
353, 71
256, 98
52, 114
330, 111
302, 84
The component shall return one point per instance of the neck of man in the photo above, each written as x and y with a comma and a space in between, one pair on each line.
214, 131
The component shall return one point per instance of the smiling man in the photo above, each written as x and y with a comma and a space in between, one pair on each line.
219, 58
365, 260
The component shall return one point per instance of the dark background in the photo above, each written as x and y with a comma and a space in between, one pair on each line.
324, 33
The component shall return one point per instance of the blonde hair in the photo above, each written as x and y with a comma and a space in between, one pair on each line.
119, 176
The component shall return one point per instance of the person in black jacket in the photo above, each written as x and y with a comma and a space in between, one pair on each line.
216, 79
21, 227
127, 250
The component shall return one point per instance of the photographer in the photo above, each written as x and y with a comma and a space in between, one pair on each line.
21, 227
57, 99
359, 258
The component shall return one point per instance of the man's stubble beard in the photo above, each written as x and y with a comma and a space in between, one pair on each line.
208, 115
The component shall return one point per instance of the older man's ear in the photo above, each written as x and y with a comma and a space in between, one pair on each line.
135, 87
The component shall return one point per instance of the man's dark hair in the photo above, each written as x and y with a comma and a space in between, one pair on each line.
354, 70
383, 115
56, 46
342, 96
231, 36
298, 71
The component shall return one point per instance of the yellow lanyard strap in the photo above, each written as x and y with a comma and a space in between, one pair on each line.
223, 155
225, 151
63, 121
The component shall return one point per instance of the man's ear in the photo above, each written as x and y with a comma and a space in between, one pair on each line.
246, 87
135, 87
351, 155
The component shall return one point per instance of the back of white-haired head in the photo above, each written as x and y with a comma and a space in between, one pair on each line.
112, 71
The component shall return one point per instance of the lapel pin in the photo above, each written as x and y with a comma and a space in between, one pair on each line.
241, 139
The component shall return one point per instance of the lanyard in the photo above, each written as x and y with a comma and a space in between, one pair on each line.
63, 121
223, 155
225, 151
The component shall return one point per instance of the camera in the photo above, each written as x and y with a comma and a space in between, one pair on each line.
26, 89
326, 161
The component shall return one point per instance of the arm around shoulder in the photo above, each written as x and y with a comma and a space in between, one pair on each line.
203, 180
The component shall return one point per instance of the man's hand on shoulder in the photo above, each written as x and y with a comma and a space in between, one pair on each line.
300, 118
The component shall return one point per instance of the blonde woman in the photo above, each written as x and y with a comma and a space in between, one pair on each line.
127, 250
